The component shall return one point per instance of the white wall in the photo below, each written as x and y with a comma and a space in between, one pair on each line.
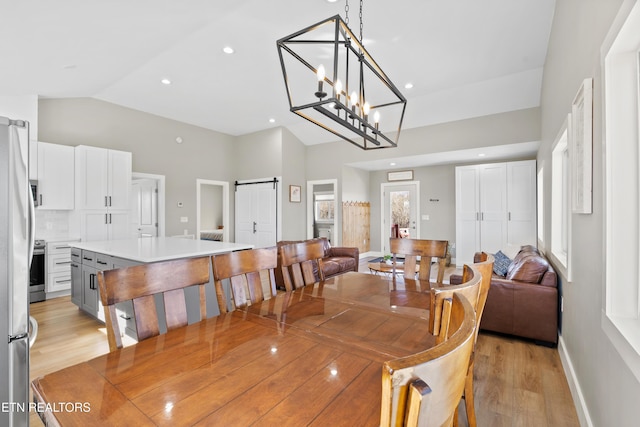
605, 388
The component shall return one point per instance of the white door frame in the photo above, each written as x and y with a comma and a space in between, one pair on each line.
225, 206
385, 186
337, 221
161, 196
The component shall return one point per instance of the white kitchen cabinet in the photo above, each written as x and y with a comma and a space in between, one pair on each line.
103, 178
103, 186
105, 225
495, 208
55, 176
58, 268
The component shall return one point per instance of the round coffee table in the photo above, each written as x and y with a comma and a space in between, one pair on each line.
383, 267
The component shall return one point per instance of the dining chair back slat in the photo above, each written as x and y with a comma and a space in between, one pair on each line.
298, 262
246, 271
429, 251
140, 283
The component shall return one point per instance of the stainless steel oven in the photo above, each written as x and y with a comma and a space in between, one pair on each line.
37, 273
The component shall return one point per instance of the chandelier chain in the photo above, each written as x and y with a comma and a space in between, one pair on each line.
361, 26
346, 12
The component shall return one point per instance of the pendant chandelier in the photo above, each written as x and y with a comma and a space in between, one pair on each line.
332, 81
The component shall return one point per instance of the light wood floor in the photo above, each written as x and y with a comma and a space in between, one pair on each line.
517, 383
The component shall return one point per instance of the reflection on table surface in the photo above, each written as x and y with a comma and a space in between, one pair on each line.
312, 356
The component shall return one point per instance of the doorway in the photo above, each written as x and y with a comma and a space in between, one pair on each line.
400, 205
323, 215
212, 210
147, 204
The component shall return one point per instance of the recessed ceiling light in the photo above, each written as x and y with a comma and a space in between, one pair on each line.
165, 81
481, 155
332, 1
228, 49
272, 120
408, 86
392, 164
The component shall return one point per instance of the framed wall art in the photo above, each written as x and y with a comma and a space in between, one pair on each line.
581, 148
295, 194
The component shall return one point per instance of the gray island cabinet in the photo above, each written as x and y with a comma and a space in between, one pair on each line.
88, 258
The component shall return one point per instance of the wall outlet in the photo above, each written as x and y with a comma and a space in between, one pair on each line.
425, 217
184, 219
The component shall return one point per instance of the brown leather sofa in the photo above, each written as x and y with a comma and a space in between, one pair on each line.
336, 260
524, 302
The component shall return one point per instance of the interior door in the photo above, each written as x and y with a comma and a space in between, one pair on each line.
144, 207
400, 206
256, 214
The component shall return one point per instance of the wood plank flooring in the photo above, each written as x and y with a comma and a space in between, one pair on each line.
517, 383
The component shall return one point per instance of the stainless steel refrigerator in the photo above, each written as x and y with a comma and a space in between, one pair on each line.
16, 248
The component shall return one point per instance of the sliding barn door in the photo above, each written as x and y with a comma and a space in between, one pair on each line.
256, 214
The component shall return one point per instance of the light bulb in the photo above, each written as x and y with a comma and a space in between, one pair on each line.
338, 88
376, 117
320, 73
366, 108
354, 98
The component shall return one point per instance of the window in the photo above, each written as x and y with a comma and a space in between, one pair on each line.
621, 320
560, 209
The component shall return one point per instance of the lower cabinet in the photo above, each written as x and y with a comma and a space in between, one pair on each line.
85, 292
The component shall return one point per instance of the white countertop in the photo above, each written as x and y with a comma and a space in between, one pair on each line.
153, 249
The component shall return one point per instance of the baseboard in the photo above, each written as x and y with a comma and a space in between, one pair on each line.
574, 385
370, 254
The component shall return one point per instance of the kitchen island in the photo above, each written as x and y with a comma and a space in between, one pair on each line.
88, 258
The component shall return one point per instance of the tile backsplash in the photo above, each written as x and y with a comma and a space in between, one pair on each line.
50, 224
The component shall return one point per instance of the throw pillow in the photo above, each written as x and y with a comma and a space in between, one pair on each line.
501, 264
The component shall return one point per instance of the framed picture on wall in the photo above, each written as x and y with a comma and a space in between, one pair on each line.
581, 148
295, 194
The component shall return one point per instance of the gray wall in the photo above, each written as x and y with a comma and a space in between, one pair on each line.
436, 182
152, 140
294, 215
611, 392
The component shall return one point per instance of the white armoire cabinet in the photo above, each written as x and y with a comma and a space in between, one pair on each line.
103, 186
495, 208
55, 176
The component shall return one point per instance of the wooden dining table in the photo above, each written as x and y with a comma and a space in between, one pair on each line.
309, 357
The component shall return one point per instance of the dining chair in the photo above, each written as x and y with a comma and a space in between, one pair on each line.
298, 262
470, 288
484, 265
140, 284
424, 389
428, 251
246, 271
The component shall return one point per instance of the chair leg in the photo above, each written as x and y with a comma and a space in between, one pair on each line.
468, 397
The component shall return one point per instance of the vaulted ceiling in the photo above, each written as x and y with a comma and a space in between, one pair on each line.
465, 58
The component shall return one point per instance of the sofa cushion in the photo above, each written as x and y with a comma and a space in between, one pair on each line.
335, 265
528, 268
501, 264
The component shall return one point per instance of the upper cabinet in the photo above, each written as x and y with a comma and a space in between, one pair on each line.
55, 176
104, 178
495, 208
